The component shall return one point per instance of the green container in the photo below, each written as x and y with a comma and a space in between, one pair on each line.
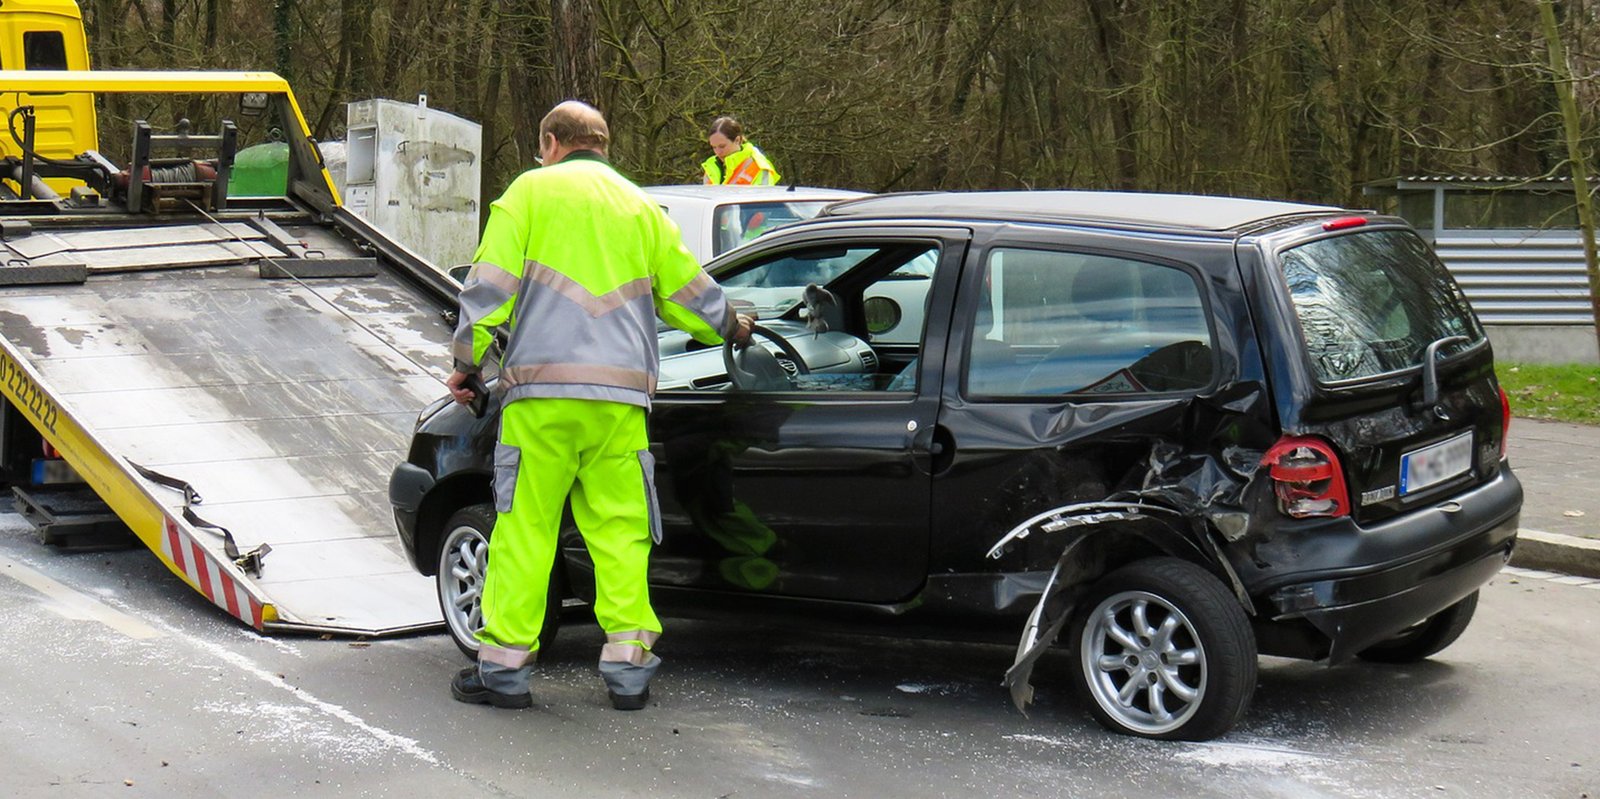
260, 171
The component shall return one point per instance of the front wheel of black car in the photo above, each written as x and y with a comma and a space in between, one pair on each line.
462, 561
1164, 651
1426, 637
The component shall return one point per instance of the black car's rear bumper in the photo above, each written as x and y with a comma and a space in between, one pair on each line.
1355, 609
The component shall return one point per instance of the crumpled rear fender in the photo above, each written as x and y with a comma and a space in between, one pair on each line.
1097, 536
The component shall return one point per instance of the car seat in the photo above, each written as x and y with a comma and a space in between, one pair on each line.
1098, 345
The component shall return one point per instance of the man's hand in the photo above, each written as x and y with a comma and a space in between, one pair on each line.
458, 392
742, 334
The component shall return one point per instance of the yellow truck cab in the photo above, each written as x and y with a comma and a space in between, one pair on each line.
45, 35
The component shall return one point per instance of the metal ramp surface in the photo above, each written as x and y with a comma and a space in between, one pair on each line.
285, 405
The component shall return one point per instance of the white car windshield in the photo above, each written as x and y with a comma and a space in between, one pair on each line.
737, 223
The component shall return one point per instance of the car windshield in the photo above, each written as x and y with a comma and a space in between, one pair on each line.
776, 286
1370, 303
737, 223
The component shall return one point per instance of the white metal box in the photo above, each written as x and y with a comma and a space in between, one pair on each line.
415, 172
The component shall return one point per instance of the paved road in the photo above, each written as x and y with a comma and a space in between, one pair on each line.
1559, 465
120, 681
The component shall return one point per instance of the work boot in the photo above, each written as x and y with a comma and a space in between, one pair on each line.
467, 686
629, 701
629, 685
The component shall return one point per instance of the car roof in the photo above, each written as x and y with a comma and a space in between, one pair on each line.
752, 193
1184, 212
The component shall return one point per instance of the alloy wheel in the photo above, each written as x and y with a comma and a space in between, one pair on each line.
462, 562
1143, 661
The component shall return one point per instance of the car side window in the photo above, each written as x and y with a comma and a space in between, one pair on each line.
1055, 323
853, 314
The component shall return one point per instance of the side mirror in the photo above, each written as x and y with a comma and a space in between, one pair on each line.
459, 272
883, 315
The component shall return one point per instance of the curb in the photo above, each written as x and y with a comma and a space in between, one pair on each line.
1555, 552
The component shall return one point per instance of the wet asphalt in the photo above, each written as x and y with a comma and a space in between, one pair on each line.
121, 681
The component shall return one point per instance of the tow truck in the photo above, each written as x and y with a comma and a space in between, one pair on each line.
234, 377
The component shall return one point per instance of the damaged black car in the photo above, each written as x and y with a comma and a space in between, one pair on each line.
1165, 433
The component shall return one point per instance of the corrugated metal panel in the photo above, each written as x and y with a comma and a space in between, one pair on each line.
1520, 280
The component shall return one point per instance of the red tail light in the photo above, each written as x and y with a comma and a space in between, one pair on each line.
1505, 421
1307, 477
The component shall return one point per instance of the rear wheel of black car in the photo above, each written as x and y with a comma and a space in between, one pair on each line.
462, 561
1164, 651
1426, 637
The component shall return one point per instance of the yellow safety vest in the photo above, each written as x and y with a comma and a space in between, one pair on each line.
580, 262
747, 166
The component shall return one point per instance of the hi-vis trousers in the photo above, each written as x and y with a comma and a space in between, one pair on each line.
597, 452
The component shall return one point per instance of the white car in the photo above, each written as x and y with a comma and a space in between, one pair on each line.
716, 219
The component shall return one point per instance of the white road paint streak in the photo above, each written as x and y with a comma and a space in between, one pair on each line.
1264, 756
65, 599
389, 739
70, 604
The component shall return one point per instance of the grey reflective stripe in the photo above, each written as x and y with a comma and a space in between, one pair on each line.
511, 657
647, 465
594, 304
487, 288
702, 298
557, 342
628, 679
507, 460
629, 647
570, 373
461, 349
494, 275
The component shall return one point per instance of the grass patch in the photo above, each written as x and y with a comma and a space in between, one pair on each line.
1565, 393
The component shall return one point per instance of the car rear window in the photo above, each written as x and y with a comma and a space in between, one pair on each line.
1371, 302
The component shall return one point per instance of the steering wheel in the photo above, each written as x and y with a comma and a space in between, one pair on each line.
756, 369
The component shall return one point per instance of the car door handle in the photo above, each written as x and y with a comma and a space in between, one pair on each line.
928, 448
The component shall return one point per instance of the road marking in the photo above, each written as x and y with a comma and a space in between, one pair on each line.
1553, 577
70, 604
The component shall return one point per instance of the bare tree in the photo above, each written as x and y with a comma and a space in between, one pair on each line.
1577, 158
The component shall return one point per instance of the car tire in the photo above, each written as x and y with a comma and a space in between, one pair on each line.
1164, 651
463, 557
1425, 638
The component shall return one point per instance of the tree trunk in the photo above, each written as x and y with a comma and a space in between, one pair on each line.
1561, 74
355, 51
396, 50
574, 49
1107, 41
283, 12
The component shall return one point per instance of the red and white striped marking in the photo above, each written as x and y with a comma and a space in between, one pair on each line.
207, 574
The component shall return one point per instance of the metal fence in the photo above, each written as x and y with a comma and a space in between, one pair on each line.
1520, 279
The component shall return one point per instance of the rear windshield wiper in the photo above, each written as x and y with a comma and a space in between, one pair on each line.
1430, 374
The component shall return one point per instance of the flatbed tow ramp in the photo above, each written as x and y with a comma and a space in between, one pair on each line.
234, 377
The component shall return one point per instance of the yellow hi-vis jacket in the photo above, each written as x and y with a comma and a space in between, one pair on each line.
579, 261
747, 166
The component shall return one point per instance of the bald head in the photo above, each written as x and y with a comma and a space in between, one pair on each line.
576, 126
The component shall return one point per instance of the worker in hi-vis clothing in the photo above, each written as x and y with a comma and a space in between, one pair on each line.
579, 261
734, 161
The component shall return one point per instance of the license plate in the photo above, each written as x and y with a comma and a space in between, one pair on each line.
1435, 463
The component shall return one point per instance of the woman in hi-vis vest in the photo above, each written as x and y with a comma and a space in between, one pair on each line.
734, 161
